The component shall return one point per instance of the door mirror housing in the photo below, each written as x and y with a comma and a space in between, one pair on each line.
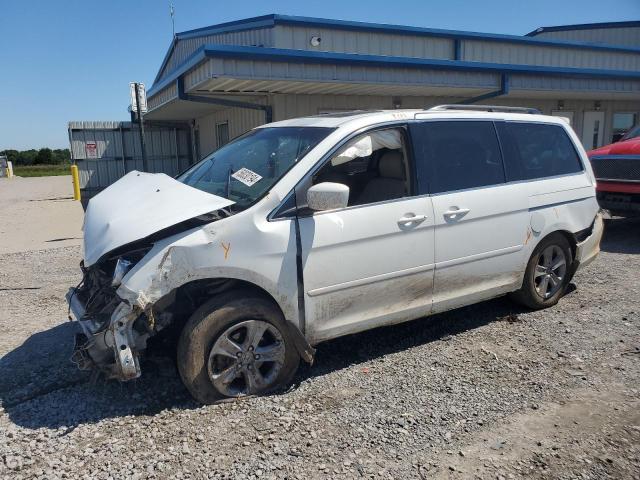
327, 196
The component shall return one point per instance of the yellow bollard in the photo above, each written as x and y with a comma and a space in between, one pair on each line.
76, 182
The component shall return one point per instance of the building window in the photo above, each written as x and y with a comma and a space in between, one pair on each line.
622, 122
222, 134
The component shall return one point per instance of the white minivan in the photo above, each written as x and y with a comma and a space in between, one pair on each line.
305, 230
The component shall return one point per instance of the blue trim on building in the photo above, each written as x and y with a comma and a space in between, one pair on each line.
268, 21
504, 90
166, 58
275, 19
436, 32
583, 26
234, 26
333, 58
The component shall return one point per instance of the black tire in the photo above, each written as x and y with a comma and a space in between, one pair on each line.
216, 318
529, 294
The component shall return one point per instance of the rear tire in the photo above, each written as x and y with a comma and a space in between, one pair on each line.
547, 274
235, 345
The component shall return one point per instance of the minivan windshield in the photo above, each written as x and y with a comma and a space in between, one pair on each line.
246, 168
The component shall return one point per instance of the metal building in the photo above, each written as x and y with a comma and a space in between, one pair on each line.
228, 78
613, 33
223, 80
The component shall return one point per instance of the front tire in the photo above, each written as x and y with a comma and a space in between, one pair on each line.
547, 274
235, 345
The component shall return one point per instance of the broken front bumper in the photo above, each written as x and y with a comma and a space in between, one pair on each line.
587, 250
111, 348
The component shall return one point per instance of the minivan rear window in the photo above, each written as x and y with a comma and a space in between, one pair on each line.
537, 150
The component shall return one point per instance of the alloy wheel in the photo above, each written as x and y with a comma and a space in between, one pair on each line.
246, 358
550, 271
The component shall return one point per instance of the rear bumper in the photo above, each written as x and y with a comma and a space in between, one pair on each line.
587, 251
110, 349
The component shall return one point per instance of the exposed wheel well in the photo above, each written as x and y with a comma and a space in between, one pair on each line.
174, 309
571, 238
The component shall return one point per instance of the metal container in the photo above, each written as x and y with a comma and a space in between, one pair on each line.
105, 151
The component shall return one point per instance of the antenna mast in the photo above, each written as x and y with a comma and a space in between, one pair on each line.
172, 12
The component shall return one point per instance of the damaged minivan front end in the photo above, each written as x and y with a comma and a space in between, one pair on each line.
113, 331
115, 321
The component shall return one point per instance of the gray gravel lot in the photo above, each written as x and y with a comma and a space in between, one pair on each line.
489, 391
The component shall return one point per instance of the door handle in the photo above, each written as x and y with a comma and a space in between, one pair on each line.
407, 219
455, 213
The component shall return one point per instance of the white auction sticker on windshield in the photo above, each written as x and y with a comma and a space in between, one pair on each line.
246, 176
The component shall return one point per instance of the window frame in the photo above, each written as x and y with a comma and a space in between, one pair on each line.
307, 181
285, 211
509, 138
218, 125
426, 187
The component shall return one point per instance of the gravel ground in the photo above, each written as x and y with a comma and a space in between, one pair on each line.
489, 391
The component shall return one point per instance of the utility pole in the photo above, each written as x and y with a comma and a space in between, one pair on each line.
145, 165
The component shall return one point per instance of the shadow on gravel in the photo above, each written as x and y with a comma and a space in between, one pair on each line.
621, 235
40, 387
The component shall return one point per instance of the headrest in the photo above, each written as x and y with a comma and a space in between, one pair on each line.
391, 165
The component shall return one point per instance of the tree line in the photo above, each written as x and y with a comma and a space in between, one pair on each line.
44, 156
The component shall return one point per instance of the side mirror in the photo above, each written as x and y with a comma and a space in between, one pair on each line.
327, 196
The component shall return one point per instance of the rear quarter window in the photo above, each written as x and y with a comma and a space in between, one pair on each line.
536, 150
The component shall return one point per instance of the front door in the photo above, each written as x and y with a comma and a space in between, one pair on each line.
370, 263
593, 130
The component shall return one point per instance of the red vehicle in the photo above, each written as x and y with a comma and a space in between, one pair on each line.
617, 169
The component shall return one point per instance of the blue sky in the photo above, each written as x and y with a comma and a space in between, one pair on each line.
73, 60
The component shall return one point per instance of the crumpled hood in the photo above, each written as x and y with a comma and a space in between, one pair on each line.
138, 205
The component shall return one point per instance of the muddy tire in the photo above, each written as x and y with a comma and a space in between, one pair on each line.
548, 273
236, 344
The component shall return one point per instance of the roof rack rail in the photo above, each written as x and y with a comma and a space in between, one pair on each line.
486, 108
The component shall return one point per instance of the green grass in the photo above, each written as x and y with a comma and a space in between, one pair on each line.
41, 170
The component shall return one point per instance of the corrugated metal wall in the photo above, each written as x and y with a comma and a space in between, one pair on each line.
291, 106
163, 96
422, 46
261, 37
118, 151
623, 36
267, 70
497, 52
240, 120
371, 43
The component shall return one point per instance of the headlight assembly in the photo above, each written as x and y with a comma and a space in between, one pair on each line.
122, 267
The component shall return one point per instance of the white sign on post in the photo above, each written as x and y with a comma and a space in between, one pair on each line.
91, 149
143, 97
